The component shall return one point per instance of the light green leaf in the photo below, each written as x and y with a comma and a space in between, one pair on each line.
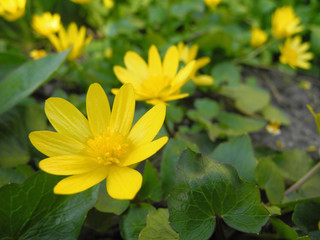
24, 80
205, 189
32, 211
274, 114
226, 72
283, 230
206, 107
151, 184
158, 227
239, 153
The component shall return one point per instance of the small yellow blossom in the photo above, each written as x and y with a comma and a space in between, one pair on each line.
11, 10
311, 148
316, 117
108, 3
280, 144
37, 53
71, 37
285, 22
187, 55
212, 3
46, 23
102, 146
294, 53
155, 82
81, 1
306, 85
108, 52
258, 37
273, 128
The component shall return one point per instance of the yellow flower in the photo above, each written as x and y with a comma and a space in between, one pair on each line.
273, 128
212, 3
46, 23
294, 53
154, 82
37, 53
108, 52
80, 1
11, 10
71, 37
187, 55
108, 3
258, 37
285, 22
104, 146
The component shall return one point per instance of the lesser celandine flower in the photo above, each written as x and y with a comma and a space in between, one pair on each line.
71, 37
37, 53
212, 3
187, 55
46, 23
285, 22
108, 3
258, 37
294, 53
273, 128
154, 82
11, 10
81, 1
104, 146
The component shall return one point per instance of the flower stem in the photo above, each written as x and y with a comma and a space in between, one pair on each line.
305, 178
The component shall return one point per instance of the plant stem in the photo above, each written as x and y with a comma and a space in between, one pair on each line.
166, 126
305, 178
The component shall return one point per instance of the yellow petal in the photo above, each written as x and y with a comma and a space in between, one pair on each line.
143, 152
154, 60
55, 144
67, 119
193, 53
68, 165
81, 182
148, 126
203, 80
136, 64
176, 96
98, 109
123, 182
55, 42
171, 62
182, 76
123, 110
126, 76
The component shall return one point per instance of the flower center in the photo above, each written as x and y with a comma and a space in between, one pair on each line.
107, 148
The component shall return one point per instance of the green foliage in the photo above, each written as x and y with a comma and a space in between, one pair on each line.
283, 230
307, 216
151, 185
274, 114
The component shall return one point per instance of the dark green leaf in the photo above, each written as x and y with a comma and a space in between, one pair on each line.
158, 227
23, 81
18, 175
32, 211
9, 62
135, 220
205, 189
307, 216
151, 185
239, 153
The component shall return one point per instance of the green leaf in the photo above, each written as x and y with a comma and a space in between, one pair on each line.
158, 227
306, 216
32, 211
205, 189
239, 153
247, 98
283, 230
135, 220
35, 118
107, 204
206, 107
23, 81
274, 114
18, 175
269, 178
315, 36
151, 184
13, 140
9, 62
226, 72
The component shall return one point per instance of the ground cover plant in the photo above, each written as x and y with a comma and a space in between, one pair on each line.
173, 119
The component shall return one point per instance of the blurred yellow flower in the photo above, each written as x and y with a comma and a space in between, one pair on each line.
71, 37
285, 22
187, 55
81, 1
212, 3
104, 146
108, 52
37, 53
294, 53
108, 3
11, 10
258, 37
273, 128
46, 23
155, 82
316, 117
306, 85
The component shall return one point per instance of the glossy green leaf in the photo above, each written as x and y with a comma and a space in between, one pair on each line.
283, 230
107, 204
17, 175
135, 220
158, 227
205, 189
274, 114
32, 211
23, 81
239, 153
151, 184
307, 216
